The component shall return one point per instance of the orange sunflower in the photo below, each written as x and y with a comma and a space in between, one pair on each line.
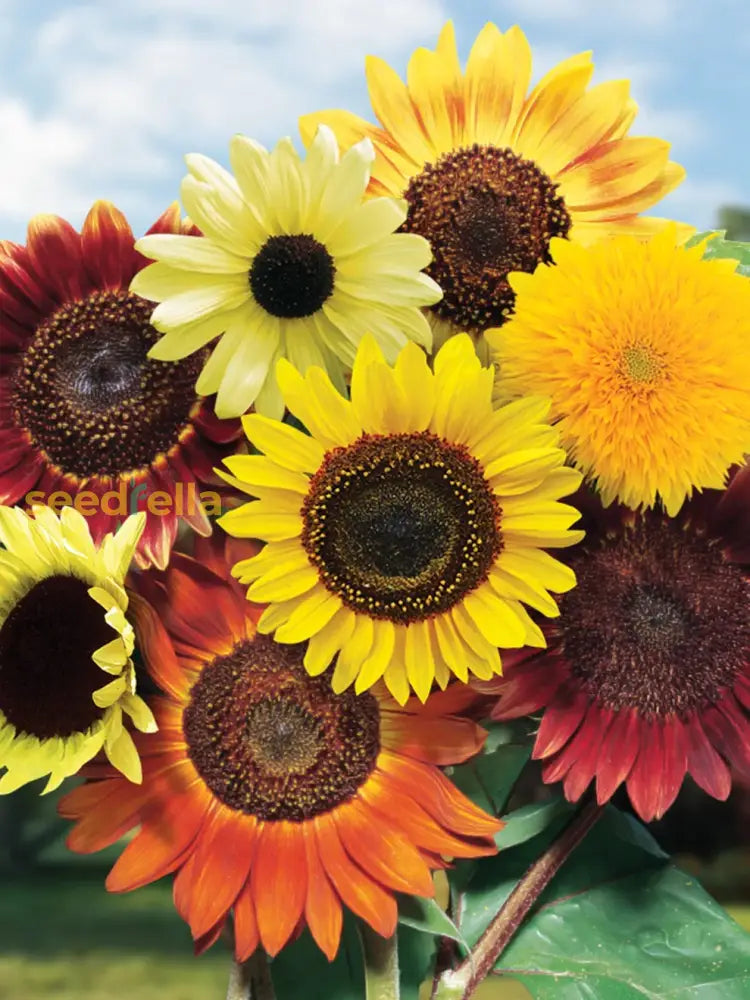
491, 172
267, 794
85, 416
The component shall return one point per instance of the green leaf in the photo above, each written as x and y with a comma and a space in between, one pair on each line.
302, 970
618, 922
528, 821
719, 248
488, 779
428, 916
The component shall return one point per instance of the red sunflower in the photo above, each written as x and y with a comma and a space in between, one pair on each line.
646, 676
267, 794
84, 413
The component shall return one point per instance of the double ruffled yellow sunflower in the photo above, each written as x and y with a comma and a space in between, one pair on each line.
491, 172
66, 675
291, 264
406, 533
642, 347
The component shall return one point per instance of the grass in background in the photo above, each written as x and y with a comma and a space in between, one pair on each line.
63, 936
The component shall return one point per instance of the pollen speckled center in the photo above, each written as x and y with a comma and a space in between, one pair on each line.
47, 676
659, 620
271, 741
292, 276
640, 364
486, 212
89, 396
401, 526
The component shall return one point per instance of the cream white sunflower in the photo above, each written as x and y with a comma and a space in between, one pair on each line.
292, 263
66, 673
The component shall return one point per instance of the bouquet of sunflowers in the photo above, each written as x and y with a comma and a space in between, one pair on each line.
367, 529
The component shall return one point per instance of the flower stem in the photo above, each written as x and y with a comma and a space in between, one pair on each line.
461, 983
381, 965
251, 980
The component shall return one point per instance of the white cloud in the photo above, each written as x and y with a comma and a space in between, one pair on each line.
697, 201
633, 13
130, 85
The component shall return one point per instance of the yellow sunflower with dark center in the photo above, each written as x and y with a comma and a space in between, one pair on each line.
492, 172
85, 415
642, 346
408, 530
66, 673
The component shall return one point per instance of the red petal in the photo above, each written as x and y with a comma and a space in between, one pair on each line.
223, 853
583, 746
526, 690
647, 776
17, 483
279, 882
107, 242
203, 609
729, 729
358, 891
439, 741
54, 250
214, 428
582, 771
706, 766
560, 721
322, 905
617, 755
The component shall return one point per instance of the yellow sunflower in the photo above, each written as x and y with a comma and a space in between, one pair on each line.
66, 676
406, 532
643, 349
492, 172
292, 263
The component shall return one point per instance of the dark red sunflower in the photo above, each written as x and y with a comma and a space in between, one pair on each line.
268, 795
646, 677
84, 413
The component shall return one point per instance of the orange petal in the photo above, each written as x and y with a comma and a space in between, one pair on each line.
359, 892
433, 740
224, 851
202, 609
442, 800
245, 925
182, 890
106, 810
157, 649
322, 905
381, 850
498, 72
425, 832
279, 882
168, 831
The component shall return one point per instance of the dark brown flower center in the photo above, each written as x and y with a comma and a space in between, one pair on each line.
401, 526
89, 396
47, 675
270, 740
486, 212
292, 276
659, 620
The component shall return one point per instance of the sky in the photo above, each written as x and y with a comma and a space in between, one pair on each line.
102, 99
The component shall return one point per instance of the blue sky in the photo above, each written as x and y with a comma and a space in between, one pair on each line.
102, 99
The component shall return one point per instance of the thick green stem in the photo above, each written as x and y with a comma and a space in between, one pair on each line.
460, 983
381, 965
251, 980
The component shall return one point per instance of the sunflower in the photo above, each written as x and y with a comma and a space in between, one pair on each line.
292, 264
642, 347
491, 173
408, 531
66, 676
266, 793
84, 415
647, 672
